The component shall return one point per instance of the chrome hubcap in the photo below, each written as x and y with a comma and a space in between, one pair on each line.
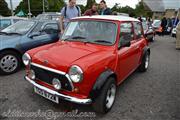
147, 61
8, 63
110, 96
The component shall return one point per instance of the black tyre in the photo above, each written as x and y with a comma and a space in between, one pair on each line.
145, 62
153, 38
10, 62
104, 102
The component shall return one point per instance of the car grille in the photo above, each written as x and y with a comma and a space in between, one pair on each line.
47, 77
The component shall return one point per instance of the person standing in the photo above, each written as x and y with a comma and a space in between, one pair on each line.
104, 10
92, 11
163, 25
68, 12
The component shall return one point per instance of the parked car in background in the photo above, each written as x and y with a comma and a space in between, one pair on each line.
22, 36
7, 21
149, 32
157, 26
49, 16
174, 30
173, 33
95, 54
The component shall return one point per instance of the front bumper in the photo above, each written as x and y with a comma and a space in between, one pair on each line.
61, 96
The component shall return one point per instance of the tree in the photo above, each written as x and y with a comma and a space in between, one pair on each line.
4, 11
37, 6
141, 11
126, 9
90, 3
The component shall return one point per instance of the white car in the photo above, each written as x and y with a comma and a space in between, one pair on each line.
7, 21
173, 33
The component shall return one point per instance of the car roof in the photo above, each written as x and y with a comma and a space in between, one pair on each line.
51, 13
109, 17
12, 17
43, 20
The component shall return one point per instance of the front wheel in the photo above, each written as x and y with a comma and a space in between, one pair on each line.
145, 62
9, 62
104, 102
153, 38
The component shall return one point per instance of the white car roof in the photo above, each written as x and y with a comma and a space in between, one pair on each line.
109, 17
13, 17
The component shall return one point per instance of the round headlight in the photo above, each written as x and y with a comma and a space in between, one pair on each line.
32, 75
56, 83
26, 59
75, 74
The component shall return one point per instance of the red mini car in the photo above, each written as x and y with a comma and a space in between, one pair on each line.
94, 55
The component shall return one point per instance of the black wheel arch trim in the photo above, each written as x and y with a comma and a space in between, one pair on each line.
145, 50
101, 80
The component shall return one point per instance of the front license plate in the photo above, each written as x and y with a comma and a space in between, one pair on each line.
46, 95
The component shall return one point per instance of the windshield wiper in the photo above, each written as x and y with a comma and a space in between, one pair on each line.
103, 41
12, 33
75, 37
3, 33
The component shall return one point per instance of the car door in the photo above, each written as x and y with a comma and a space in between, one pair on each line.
126, 55
138, 42
40, 35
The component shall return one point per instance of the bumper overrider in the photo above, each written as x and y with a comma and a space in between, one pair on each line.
59, 95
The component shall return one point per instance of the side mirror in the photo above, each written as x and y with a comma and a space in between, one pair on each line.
125, 44
34, 34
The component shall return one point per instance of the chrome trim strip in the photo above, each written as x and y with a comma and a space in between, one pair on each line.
64, 97
47, 68
55, 71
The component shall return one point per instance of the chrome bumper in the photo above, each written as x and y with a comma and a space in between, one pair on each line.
61, 96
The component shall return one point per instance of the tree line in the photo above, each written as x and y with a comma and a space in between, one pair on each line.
56, 5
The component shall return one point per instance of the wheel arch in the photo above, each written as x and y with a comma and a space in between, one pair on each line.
13, 50
145, 50
100, 81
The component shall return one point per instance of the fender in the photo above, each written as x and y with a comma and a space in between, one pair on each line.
101, 80
145, 49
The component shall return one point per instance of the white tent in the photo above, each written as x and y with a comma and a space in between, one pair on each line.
162, 5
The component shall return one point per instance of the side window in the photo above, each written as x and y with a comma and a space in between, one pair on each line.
51, 28
37, 28
138, 30
126, 33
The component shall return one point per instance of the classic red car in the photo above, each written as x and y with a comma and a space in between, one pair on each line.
94, 55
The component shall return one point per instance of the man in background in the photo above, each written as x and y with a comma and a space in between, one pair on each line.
104, 10
68, 12
163, 25
92, 11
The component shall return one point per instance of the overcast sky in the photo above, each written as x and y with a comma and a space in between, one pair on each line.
110, 3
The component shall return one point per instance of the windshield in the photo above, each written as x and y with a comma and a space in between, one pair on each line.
91, 31
20, 27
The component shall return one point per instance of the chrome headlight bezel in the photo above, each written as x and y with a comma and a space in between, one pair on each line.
75, 74
26, 58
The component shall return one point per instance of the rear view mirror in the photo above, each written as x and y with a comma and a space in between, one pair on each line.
34, 34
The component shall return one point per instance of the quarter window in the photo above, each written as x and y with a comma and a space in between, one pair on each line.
38, 27
51, 28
